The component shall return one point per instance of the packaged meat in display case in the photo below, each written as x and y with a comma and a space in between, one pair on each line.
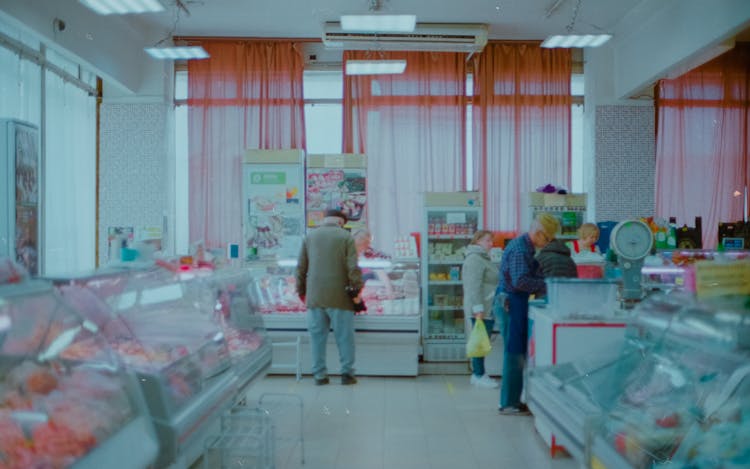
240, 321
59, 408
163, 329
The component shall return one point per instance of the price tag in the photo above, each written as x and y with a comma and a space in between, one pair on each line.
719, 279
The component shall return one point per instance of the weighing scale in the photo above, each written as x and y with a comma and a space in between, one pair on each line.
632, 241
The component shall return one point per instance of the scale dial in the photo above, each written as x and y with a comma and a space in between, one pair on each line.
632, 240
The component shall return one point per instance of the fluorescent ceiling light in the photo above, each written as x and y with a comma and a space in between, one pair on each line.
375, 22
177, 53
122, 7
375, 67
576, 40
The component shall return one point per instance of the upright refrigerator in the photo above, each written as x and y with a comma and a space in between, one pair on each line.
19, 209
449, 222
273, 197
337, 181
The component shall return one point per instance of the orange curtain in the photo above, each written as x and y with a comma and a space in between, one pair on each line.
702, 143
521, 127
247, 95
412, 127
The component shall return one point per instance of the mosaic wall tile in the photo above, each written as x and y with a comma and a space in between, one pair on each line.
132, 169
625, 162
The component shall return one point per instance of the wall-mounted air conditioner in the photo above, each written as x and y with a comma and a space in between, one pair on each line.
444, 37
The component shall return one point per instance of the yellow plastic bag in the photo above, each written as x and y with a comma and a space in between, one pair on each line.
478, 344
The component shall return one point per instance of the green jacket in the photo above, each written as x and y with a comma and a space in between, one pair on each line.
327, 264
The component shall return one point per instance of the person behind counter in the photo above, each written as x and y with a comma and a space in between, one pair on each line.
479, 278
588, 235
363, 243
555, 261
520, 278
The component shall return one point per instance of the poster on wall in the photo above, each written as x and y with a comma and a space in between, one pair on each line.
19, 210
273, 204
337, 182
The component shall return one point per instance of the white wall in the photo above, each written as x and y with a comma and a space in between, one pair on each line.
109, 45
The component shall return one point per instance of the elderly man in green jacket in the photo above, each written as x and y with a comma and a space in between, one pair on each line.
327, 272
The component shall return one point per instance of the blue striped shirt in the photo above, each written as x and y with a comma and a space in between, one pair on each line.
519, 271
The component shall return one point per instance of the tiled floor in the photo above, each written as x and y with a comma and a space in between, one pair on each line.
427, 422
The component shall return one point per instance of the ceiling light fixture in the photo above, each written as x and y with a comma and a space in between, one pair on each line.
576, 40
177, 52
376, 21
570, 39
180, 51
375, 67
123, 7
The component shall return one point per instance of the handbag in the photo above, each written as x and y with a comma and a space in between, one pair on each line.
478, 344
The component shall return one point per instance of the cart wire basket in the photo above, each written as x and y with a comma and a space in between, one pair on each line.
267, 436
246, 440
286, 412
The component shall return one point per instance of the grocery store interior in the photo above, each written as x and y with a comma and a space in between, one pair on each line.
165, 161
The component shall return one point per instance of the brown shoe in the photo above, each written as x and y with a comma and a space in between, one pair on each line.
348, 379
321, 381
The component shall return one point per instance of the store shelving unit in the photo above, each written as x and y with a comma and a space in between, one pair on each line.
387, 334
450, 220
570, 209
67, 398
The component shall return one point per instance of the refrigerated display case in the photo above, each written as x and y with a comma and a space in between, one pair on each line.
386, 335
242, 325
684, 388
567, 397
163, 330
450, 220
65, 398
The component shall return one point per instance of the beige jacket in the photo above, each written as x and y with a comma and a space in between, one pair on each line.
479, 277
327, 264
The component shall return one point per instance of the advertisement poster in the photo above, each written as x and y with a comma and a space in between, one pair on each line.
27, 198
336, 188
274, 210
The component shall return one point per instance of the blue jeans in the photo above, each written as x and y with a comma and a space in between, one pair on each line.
319, 322
514, 357
477, 363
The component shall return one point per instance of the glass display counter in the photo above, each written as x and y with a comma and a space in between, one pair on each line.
683, 394
242, 325
65, 398
163, 329
387, 335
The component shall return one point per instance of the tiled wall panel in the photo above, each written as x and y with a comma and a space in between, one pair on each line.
625, 162
133, 168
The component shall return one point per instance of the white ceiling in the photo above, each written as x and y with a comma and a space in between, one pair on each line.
507, 19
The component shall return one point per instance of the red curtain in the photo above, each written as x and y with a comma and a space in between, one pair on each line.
247, 95
412, 127
702, 143
521, 127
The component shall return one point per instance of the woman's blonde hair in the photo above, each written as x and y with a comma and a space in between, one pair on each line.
479, 234
587, 229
